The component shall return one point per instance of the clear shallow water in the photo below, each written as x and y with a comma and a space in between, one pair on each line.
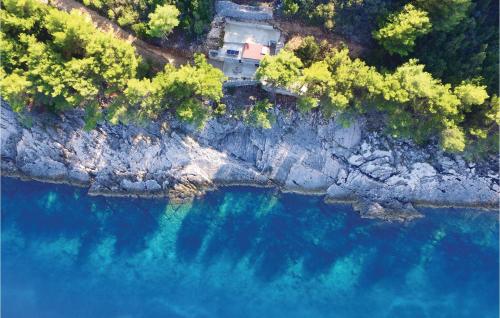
238, 253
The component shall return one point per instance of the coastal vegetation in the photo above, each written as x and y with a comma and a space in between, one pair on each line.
434, 73
414, 103
137, 15
163, 20
456, 40
59, 61
260, 115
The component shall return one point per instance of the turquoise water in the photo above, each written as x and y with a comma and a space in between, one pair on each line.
238, 253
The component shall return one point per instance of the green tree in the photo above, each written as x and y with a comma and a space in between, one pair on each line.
281, 70
452, 139
325, 12
445, 14
61, 61
310, 51
352, 83
260, 115
316, 82
196, 14
470, 94
192, 89
426, 105
290, 7
163, 20
399, 32
16, 89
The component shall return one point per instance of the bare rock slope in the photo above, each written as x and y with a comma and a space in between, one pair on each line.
383, 177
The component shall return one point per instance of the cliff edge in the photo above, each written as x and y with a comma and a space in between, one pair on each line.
383, 177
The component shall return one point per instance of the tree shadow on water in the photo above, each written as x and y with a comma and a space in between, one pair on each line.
269, 233
42, 216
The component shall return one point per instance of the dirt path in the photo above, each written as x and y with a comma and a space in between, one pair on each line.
159, 56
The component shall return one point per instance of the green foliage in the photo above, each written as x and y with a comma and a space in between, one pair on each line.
93, 115
399, 32
453, 139
462, 44
338, 83
307, 103
290, 7
325, 13
412, 85
470, 94
21, 15
194, 15
310, 51
481, 148
445, 14
414, 103
419, 105
163, 20
189, 90
281, 70
192, 88
352, 82
482, 128
346, 17
468, 51
260, 116
14, 90
62, 62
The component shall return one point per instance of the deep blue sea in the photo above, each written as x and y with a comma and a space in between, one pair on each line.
238, 252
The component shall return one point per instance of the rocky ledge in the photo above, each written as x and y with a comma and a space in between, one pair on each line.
383, 177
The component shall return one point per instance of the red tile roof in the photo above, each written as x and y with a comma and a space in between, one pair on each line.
253, 51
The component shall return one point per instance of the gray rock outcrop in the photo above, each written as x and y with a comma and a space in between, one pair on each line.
305, 154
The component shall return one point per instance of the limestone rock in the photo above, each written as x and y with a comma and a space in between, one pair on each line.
300, 153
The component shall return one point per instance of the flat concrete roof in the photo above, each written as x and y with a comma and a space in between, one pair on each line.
241, 32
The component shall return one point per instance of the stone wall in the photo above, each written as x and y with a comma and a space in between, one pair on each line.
232, 10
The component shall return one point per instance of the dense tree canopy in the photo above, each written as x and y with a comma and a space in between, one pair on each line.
190, 90
469, 51
55, 60
401, 29
436, 42
163, 20
457, 40
309, 50
442, 86
445, 14
416, 105
281, 70
195, 15
58, 60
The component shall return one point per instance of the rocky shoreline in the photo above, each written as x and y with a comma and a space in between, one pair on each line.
384, 178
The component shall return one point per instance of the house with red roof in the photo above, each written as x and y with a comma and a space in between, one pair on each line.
245, 44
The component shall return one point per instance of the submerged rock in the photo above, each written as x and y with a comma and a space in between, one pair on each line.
306, 154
